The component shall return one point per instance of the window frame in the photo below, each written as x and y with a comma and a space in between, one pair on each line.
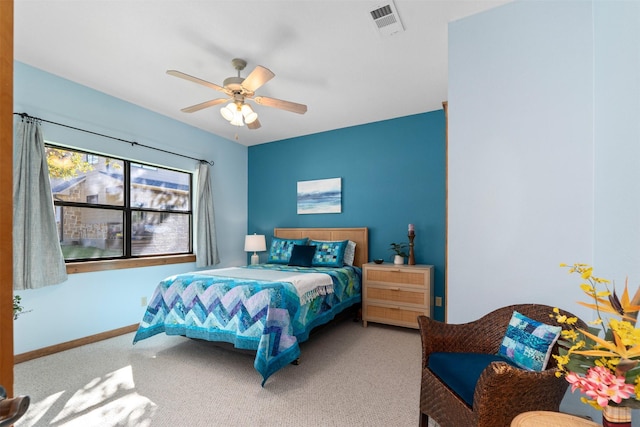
128, 259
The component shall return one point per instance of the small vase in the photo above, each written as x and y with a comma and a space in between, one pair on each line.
616, 416
398, 260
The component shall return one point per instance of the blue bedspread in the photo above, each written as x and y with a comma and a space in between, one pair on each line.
251, 314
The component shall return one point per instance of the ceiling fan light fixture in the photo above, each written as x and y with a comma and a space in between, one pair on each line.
228, 111
237, 120
250, 116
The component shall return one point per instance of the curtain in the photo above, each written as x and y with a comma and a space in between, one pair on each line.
206, 246
37, 257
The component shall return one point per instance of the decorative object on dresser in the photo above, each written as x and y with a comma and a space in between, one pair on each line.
399, 252
396, 295
411, 235
255, 243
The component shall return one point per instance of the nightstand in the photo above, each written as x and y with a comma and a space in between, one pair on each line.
396, 294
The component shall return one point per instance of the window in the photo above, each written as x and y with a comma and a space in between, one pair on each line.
109, 208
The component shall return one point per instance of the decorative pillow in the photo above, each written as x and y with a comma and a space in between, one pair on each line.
280, 250
528, 343
301, 255
350, 253
329, 254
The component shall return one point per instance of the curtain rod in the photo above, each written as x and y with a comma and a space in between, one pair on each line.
133, 143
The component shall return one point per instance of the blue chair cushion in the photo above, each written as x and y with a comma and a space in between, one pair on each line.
461, 371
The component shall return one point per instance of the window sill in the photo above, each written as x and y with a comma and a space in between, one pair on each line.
117, 264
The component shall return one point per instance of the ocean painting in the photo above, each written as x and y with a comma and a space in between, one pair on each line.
320, 196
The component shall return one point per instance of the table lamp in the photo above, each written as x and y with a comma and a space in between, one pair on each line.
255, 243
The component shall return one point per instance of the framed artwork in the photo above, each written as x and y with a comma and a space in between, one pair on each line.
320, 196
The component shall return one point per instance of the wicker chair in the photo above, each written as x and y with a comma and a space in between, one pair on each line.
502, 391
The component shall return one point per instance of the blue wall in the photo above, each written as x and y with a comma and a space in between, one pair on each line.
393, 173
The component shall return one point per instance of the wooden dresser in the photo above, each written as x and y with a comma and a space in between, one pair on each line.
396, 294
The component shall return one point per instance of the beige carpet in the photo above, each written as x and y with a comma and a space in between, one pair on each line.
348, 376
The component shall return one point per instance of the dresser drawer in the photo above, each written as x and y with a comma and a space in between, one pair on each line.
415, 278
394, 315
394, 294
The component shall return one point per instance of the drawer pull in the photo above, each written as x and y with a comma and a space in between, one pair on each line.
394, 289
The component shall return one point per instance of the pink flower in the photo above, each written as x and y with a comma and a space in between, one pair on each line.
601, 385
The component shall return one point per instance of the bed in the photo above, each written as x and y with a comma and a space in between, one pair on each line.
270, 308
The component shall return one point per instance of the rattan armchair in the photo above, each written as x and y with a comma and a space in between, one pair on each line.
502, 391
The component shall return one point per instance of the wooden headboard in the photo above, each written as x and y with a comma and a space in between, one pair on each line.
359, 235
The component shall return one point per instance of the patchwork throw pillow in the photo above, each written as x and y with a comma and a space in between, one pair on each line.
301, 255
528, 343
280, 249
349, 250
329, 254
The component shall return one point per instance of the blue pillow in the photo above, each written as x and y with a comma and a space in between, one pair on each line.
280, 250
528, 343
329, 253
301, 255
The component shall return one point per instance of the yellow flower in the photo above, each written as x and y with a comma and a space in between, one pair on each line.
569, 334
628, 334
572, 320
561, 361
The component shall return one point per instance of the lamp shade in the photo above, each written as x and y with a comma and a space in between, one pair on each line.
255, 243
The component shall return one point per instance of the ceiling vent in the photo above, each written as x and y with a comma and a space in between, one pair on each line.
387, 20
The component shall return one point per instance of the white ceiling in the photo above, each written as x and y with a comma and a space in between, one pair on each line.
326, 54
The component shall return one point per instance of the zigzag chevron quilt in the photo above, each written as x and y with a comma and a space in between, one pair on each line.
262, 315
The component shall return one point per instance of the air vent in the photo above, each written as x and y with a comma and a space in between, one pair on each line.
387, 20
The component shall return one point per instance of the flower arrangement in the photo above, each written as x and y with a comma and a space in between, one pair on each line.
602, 362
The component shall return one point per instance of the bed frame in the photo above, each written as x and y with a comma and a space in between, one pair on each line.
358, 235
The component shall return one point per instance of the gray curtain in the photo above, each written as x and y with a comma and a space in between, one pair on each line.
37, 257
206, 246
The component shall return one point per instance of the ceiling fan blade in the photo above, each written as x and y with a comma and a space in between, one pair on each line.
182, 75
254, 125
283, 105
259, 76
203, 105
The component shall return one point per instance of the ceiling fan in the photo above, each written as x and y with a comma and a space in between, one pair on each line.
238, 90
